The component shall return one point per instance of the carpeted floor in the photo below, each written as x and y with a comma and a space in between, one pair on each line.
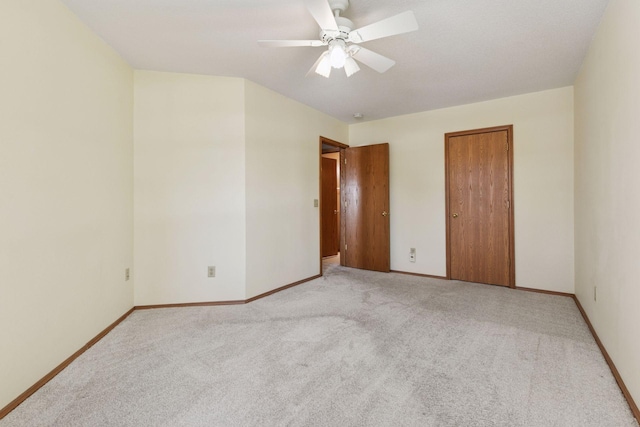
353, 348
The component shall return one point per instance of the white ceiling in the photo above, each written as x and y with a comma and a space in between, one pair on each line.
465, 50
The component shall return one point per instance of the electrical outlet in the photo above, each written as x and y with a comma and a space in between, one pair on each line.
316, 203
211, 271
127, 274
412, 254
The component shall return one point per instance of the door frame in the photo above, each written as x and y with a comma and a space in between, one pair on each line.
447, 136
341, 146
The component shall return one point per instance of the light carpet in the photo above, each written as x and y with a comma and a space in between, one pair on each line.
353, 348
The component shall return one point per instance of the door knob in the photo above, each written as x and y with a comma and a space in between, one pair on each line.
455, 215
335, 212
385, 213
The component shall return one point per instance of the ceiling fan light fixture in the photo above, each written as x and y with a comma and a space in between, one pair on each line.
337, 53
350, 66
324, 67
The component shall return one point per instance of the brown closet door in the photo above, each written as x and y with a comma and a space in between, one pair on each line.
479, 207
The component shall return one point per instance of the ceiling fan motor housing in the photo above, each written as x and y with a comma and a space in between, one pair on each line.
345, 26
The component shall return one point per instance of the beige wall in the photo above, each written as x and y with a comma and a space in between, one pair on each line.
189, 188
607, 190
282, 177
66, 189
543, 183
225, 174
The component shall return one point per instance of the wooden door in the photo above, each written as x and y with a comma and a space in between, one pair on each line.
479, 208
365, 192
329, 221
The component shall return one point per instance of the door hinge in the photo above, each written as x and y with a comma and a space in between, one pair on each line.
346, 203
345, 160
345, 247
507, 146
508, 204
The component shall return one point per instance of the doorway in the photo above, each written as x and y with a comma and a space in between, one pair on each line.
331, 155
330, 215
362, 203
479, 206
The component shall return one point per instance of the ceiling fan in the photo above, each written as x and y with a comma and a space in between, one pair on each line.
338, 33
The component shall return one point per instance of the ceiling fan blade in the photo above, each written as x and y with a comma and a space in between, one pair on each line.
313, 68
321, 12
398, 24
290, 43
371, 59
